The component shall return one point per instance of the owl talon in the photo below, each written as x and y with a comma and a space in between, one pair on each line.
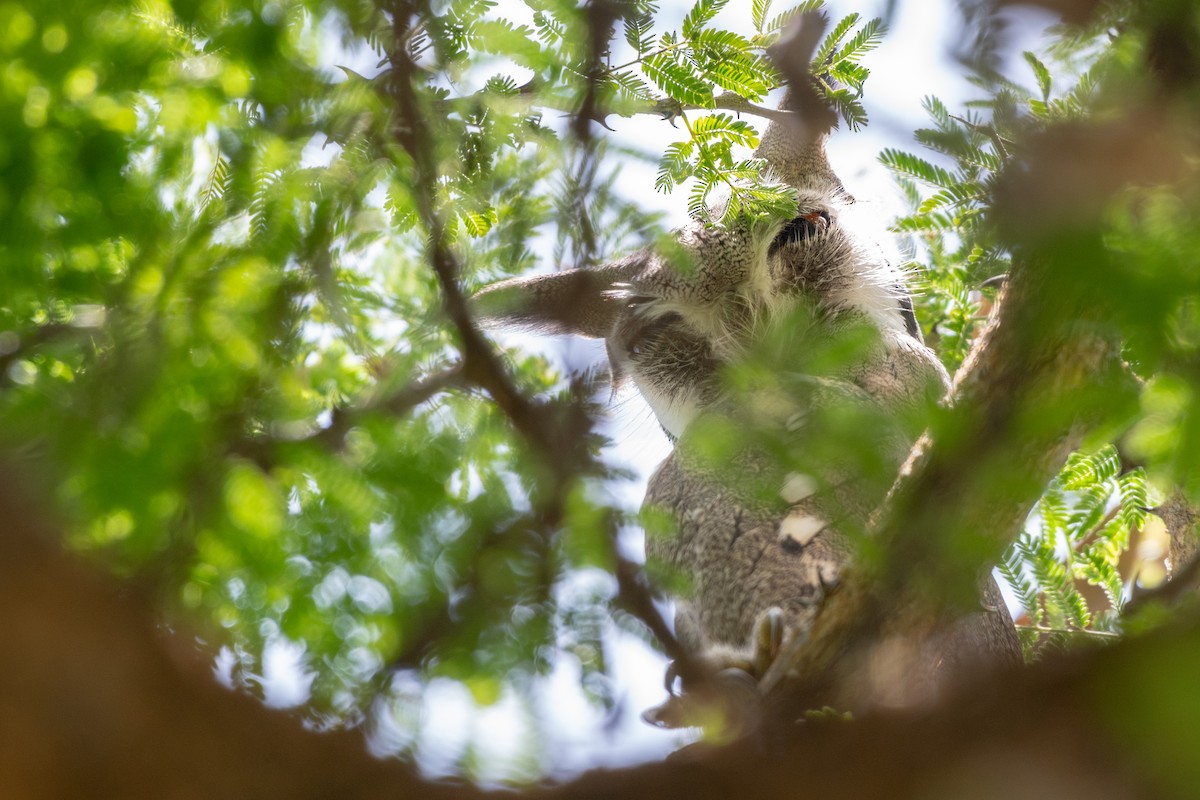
670, 679
734, 688
728, 700
767, 640
668, 715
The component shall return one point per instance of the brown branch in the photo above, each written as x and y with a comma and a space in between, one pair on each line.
97, 702
1044, 370
481, 367
262, 450
1180, 514
397, 404
636, 595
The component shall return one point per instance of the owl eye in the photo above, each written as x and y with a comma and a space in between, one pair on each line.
804, 226
646, 335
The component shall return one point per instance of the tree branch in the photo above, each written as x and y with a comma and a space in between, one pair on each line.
1044, 371
561, 443
96, 702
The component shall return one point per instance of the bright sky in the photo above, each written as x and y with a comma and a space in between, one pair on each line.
914, 61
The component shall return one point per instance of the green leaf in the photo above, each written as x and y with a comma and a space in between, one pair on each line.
908, 164
729, 75
675, 166
698, 200
845, 103
721, 43
678, 81
723, 126
217, 182
477, 223
831, 41
638, 27
504, 38
862, 43
700, 15
550, 30
633, 86
851, 74
1085, 470
758, 13
1041, 72
1135, 498
780, 22
937, 109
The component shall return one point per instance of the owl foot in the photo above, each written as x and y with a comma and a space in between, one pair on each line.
729, 699
726, 702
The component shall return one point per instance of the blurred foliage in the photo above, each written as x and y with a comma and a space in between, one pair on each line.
223, 354
686, 65
1081, 532
214, 296
1082, 527
217, 319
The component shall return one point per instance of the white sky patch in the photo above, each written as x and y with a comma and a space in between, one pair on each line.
448, 713
584, 736
286, 682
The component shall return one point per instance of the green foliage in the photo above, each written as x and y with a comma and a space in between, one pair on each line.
690, 65
224, 356
836, 66
949, 224
1077, 536
215, 299
1080, 532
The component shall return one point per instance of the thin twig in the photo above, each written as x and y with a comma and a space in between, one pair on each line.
398, 404
1071, 631
668, 108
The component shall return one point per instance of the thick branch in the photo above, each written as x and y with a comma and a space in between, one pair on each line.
95, 702
1046, 369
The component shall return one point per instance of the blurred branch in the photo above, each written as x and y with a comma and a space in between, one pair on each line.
79, 655
397, 404
481, 367
381, 400
15, 347
531, 95
559, 442
636, 595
